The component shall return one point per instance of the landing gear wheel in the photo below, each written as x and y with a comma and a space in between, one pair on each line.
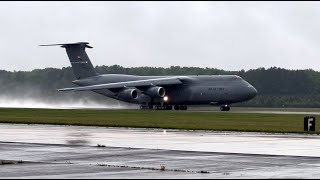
146, 107
165, 107
183, 107
177, 107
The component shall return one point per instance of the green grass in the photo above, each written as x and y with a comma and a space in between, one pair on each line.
222, 121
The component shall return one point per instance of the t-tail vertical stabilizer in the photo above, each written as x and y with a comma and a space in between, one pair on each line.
80, 62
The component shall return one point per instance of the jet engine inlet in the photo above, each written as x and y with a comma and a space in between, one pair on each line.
128, 94
156, 91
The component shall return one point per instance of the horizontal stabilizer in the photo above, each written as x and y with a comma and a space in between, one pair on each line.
69, 44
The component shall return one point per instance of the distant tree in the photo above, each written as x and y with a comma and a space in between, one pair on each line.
277, 87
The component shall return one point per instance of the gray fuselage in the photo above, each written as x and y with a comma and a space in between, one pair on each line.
195, 90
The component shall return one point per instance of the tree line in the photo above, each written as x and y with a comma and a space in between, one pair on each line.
277, 87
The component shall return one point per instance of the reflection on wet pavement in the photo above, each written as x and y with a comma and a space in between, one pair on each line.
49, 151
206, 141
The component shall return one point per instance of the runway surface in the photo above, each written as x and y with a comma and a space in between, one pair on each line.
262, 110
48, 151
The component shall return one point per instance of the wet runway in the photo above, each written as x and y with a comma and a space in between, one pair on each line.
303, 111
48, 151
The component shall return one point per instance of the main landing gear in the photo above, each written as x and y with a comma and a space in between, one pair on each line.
225, 108
163, 107
145, 107
179, 107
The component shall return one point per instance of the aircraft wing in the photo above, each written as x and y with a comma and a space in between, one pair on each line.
138, 83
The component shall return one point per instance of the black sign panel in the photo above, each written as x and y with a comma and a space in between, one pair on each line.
309, 123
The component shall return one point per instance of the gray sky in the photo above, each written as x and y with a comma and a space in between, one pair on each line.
224, 35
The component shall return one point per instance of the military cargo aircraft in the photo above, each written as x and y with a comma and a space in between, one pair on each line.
156, 92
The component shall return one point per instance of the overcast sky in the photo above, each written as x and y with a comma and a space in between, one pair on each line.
224, 35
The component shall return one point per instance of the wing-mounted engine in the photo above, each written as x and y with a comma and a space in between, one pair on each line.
155, 91
128, 94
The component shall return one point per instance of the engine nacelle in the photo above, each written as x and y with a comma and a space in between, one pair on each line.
155, 92
128, 94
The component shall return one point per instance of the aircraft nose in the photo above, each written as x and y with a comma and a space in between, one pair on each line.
253, 92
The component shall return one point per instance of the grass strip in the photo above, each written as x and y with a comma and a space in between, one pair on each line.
188, 120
